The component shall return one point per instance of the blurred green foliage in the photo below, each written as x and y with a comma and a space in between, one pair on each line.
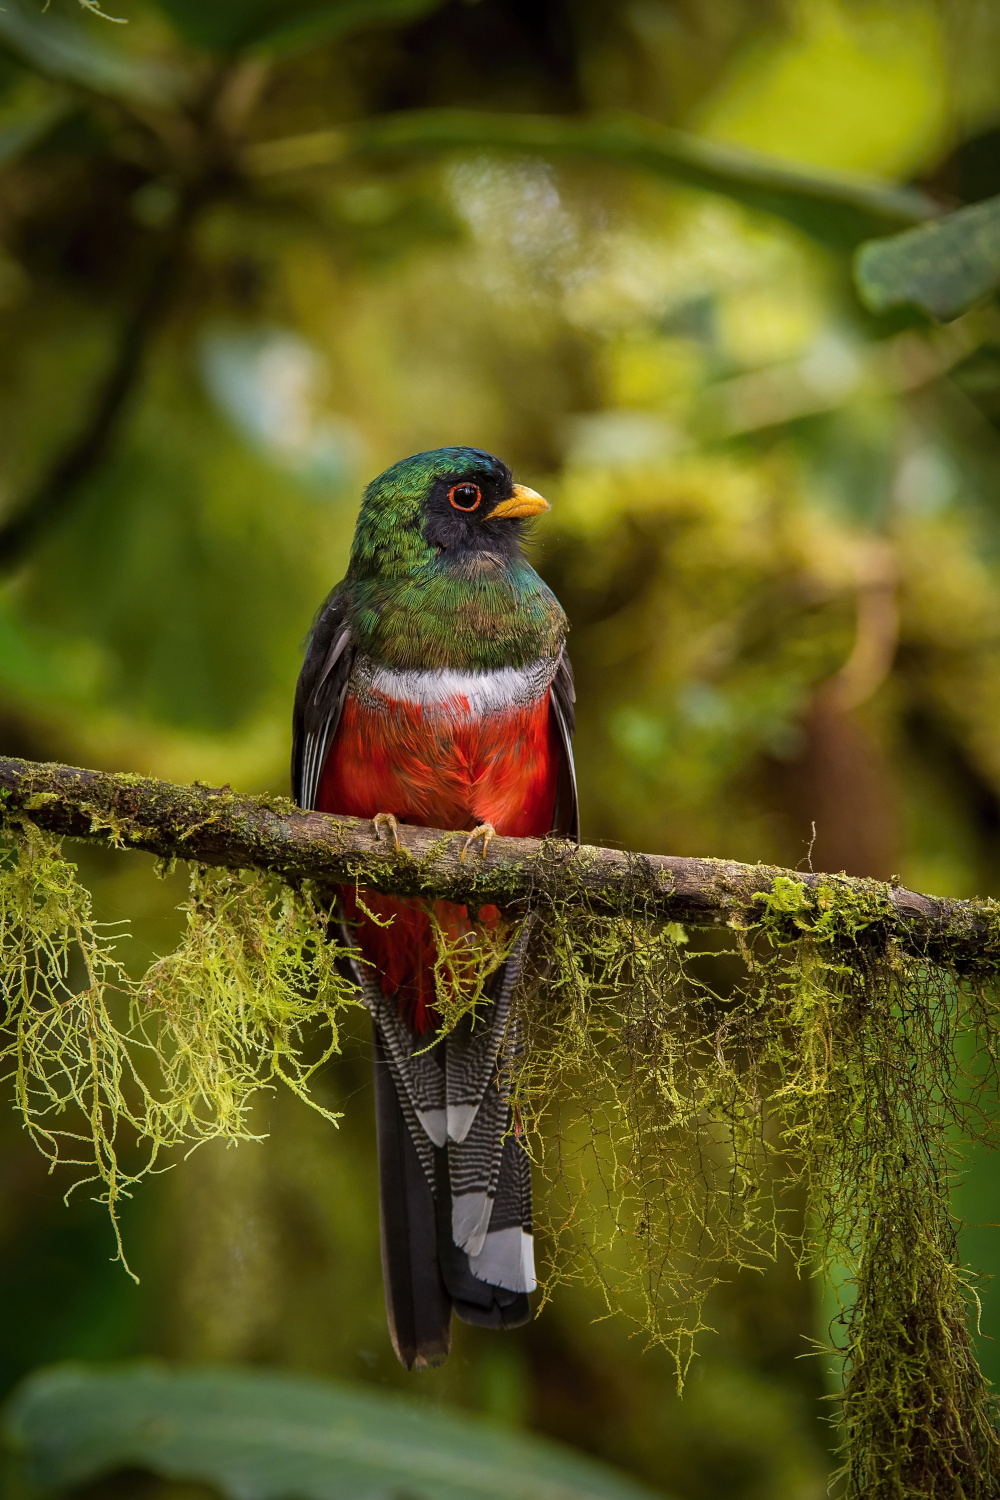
258, 1436
942, 267
774, 528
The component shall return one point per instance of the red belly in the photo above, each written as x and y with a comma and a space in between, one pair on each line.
441, 772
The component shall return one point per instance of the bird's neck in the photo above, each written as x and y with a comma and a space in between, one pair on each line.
481, 614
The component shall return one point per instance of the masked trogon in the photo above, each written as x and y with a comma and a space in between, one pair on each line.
436, 690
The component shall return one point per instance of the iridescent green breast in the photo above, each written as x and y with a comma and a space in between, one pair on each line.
495, 616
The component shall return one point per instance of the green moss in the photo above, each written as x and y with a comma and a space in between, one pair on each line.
110, 1070
682, 1093
682, 1097
465, 961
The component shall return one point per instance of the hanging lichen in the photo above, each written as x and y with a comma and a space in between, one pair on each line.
176, 1057
466, 955
683, 1094
682, 1103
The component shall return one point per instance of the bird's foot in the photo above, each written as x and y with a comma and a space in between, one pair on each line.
486, 832
386, 820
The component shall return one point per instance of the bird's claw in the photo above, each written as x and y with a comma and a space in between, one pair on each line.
486, 832
386, 820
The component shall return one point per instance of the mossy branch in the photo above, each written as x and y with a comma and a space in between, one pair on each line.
218, 827
833, 1044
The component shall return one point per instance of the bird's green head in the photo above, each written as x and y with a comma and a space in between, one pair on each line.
453, 506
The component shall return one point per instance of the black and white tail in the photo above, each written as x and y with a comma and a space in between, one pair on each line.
454, 1178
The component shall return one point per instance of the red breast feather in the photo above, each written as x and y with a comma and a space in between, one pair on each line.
441, 771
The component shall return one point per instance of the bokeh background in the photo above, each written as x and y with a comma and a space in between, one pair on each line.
775, 529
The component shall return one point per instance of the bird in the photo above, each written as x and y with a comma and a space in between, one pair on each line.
436, 690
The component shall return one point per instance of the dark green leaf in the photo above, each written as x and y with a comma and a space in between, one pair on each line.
262, 1436
73, 52
942, 267
282, 25
836, 208
19, 134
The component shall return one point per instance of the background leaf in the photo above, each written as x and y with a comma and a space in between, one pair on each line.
836, 208
942, 268
282, 25
74, 52
20, 134
258, 1436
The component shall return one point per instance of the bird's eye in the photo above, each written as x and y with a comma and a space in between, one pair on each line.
465, 496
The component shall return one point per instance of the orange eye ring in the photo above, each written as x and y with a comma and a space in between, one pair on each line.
457, 489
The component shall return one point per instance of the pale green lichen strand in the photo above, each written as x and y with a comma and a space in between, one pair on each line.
176, 1057
803, 1085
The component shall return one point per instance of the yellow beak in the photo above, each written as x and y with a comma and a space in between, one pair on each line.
523, 502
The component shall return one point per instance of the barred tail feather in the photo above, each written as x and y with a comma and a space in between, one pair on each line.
417, 1304
505, 1256
475, 1300
455, 1214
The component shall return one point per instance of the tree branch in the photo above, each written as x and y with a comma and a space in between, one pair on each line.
216, 826
203, 145
87, 449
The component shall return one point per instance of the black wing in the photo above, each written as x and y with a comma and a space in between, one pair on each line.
319, 696
562, 697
